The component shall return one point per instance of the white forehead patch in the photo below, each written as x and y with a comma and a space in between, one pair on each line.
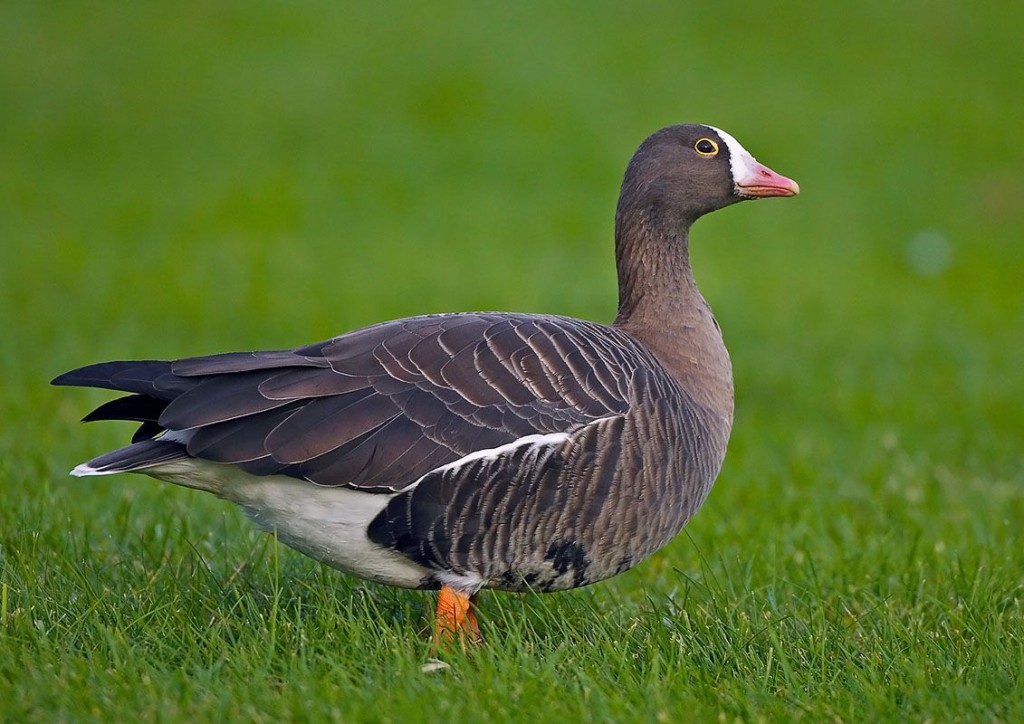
741, 162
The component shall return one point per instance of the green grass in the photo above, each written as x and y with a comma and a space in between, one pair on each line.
184, 178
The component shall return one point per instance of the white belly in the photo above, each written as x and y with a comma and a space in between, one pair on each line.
326, 523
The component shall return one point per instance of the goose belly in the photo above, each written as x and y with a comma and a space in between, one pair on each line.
325, 523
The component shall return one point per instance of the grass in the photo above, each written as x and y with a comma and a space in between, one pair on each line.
198, 177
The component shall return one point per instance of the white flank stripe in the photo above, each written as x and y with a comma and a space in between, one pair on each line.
553, 438
741, 161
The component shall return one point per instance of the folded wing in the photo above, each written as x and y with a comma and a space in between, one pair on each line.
377, 408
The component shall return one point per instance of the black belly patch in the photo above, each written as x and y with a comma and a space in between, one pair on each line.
566, 556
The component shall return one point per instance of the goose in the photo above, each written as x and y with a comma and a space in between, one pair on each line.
458, 452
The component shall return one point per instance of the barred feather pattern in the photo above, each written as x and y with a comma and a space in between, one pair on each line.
561, 517
388, 408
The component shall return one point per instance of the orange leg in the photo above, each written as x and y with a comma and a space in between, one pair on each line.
455, 619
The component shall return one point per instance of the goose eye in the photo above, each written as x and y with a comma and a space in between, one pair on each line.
706, 147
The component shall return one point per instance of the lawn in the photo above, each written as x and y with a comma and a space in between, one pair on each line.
186, 178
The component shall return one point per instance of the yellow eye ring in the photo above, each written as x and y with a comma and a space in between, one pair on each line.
706, 147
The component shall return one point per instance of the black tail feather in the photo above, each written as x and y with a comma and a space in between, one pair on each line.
141, 408
137, 456
145, 377
147, 430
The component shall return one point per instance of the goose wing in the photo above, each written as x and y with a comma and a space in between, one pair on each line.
379, 407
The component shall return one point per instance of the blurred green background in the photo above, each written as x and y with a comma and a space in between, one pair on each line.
192, 177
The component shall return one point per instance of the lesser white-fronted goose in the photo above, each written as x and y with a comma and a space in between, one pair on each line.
482, 450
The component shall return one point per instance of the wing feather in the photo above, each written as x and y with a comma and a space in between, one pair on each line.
380, 407
219, 398
234, 362
327, 423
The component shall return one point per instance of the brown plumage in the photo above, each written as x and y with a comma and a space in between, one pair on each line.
475, 450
